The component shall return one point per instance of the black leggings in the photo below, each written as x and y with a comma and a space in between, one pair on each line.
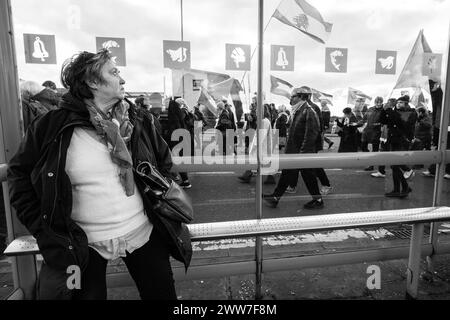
149, 266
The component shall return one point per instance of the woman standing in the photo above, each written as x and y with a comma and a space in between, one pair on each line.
349, 134
73, 187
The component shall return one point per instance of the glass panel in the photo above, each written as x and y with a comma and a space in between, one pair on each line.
372, 49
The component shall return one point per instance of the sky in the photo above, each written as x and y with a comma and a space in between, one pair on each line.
361, 26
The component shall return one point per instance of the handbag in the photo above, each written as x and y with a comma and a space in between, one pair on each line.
167, 197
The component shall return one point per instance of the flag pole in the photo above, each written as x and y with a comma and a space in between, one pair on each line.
260, 116
254, 50
182, 39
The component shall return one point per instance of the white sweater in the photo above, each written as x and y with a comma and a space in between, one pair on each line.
100, 206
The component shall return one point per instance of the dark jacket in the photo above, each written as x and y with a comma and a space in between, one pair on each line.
304, 131
423, 130
399, 122
319, 142
372, 131
48, 98
225, 121
31, 109
281, 124
41, 192
232, 118
252, 124
349, 134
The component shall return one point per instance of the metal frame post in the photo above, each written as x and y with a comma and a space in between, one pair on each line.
260, 116
440, 168
413, 272
23, 268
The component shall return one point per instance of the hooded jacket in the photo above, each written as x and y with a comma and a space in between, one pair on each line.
41, 192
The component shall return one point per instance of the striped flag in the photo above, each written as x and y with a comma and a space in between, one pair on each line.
319, 96
280, 87
303, 17
355, 94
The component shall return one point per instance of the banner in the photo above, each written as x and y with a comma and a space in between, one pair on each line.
116, 46
280, 87
304, 17
411, 76
39, 48
282, 58
336, 60
386, 62
177, 54
238, 57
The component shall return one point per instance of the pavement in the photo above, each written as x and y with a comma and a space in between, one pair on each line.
344, 282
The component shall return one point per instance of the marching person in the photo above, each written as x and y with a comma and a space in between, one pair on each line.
72, 185
304, 134
398, 140
372, 132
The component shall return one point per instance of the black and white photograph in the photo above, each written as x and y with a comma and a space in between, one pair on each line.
224, 157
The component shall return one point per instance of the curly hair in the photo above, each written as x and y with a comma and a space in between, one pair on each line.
81, 68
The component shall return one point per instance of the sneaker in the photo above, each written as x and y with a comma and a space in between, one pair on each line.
427, 174
325, 190
378, 175
271, 200
186, 184
369, 168
447, 176
244, 179
291, 189
409, 174
393, 194
314, 204
330, 145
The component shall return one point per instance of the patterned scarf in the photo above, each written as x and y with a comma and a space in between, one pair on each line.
116, 129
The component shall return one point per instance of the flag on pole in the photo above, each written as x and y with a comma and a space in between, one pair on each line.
303, 17
355, 94
280, 87
418, 98
319, 96
227, 89
411, 76
208, 101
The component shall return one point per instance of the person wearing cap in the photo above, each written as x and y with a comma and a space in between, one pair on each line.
303, 136
320, 172
398, 139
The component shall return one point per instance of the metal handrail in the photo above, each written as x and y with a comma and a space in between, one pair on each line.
310, 160
298, 161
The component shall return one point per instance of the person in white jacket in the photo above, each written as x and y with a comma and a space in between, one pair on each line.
267, 146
